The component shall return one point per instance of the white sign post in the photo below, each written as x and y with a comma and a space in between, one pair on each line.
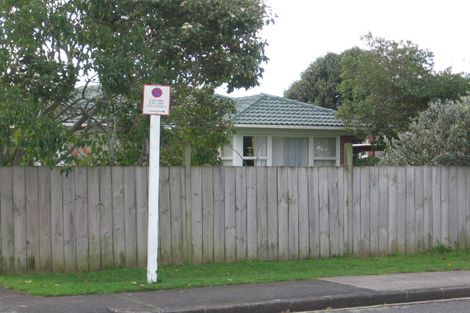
156, 102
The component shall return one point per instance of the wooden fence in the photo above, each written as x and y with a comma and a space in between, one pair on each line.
95, 218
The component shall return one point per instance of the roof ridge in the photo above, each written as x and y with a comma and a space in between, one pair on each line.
257, 99
263, 95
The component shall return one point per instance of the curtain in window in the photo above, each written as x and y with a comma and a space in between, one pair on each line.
260, 149
324, 151
290, 151
325, 147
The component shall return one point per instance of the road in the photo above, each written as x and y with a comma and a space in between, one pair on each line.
447, 306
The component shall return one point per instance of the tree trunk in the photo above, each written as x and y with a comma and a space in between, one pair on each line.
18, 157
187, 155
113, 141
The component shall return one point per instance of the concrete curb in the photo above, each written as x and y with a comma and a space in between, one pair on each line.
336, 302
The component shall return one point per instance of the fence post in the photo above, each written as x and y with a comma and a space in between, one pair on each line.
189, 209
348, 155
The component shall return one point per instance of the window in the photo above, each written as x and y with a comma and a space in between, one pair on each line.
324, 151
290, 151
301, 150
254, 151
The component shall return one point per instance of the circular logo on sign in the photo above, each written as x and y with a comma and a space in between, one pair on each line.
157, 92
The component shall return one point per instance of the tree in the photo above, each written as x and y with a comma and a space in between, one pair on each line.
47, 46
383, 88
439, 135
208, 131
318, 84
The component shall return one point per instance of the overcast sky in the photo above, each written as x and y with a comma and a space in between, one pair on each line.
308, 29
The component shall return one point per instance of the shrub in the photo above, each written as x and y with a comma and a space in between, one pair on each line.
439, 135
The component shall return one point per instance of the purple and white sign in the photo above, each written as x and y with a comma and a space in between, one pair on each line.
156, 100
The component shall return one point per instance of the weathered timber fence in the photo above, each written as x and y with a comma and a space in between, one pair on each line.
96, 217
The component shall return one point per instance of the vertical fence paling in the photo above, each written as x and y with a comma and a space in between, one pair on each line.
219, 215
262, 213
96, 218
229, 214
19, 218
304, 242
7, 220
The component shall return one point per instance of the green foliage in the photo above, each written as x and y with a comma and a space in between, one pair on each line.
194, 43
440, 135
442, 248
384, 87
47, 46
318, 84
25, 134
370, 161
199, 118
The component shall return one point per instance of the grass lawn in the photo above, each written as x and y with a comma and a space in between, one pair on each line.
171, 277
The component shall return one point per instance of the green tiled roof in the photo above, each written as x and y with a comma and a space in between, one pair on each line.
265, 109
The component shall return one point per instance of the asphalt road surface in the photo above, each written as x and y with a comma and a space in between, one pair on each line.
440, 306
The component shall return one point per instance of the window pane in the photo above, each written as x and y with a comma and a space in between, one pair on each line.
254, 146
290, 151
259, 145
324, 147
278, 151
248, 149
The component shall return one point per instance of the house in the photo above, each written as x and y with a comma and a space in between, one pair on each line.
276, 131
